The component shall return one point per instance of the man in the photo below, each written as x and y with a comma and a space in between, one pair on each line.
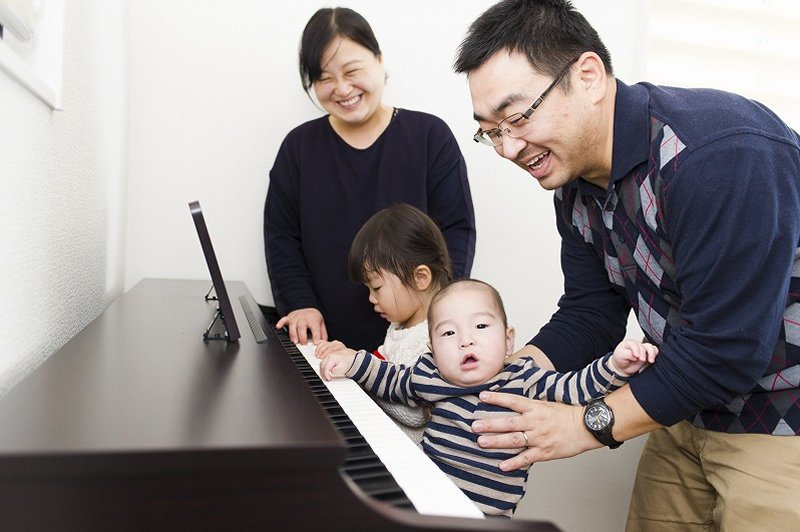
683, 206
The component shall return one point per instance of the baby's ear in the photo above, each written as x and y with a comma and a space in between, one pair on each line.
422, 277
510, 335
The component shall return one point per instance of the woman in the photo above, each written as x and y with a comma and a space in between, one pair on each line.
331, 174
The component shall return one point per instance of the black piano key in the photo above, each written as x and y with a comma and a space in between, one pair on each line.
349, 431
357, 464
361, 464
388, 494
378, 486
360, 452
354, 439
367, 471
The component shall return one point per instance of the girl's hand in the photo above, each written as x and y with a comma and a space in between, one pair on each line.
326, 348
336, 364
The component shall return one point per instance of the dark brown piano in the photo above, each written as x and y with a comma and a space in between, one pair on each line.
138, 424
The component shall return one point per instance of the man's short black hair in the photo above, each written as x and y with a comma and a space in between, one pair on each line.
551, 33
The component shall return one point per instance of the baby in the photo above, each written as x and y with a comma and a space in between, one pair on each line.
471, 343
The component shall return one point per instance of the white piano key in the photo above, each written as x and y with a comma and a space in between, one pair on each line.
428, 489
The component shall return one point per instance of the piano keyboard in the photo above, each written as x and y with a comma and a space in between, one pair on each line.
420, 481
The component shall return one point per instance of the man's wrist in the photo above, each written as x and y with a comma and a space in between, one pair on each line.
588, 442
598, 419
631, 418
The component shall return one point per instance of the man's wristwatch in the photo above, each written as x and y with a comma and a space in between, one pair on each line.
598, 419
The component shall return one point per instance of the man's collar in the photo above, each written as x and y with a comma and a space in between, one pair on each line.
631, 130
631, 135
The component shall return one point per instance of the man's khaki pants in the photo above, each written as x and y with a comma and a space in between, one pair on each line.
695, 479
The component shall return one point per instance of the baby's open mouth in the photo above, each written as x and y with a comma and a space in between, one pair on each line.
469, 360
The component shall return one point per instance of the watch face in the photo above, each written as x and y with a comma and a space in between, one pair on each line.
597, 417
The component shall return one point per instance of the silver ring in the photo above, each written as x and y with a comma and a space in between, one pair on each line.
526, 437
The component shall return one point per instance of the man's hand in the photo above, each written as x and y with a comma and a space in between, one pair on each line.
554, 430
551, 430
299, 322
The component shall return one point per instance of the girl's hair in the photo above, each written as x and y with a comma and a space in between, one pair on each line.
397, 240
322, 28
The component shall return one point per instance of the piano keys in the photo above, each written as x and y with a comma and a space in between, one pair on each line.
430, 491
137, 423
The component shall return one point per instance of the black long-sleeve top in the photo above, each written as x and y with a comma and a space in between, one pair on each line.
321, 192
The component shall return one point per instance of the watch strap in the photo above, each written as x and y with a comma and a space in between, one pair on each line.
606, 439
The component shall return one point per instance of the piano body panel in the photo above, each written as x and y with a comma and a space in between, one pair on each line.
137, 423
291, 499
223, 501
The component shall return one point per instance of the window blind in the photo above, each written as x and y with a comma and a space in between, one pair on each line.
743, 46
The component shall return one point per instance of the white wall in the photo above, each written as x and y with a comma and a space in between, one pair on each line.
62, 176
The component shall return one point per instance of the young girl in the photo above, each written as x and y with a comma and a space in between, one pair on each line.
402, 258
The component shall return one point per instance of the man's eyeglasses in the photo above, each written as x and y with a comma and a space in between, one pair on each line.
518, 124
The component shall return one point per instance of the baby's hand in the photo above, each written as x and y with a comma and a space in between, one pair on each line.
631, 357
336, 364
326, 348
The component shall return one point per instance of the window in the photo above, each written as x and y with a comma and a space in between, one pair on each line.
743, 46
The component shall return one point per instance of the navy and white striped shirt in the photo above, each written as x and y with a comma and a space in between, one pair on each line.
448, 439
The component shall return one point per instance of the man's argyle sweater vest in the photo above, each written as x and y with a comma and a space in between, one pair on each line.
627, 233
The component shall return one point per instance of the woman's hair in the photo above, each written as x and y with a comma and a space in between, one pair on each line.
469, 283
397, 240
551, 33
322, 28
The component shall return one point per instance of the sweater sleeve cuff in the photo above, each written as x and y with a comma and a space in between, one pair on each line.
551, 345
659, 400
297, 303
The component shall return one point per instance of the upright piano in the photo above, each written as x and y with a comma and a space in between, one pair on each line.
138, 423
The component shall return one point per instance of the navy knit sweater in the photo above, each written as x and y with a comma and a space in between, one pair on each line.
321, 192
